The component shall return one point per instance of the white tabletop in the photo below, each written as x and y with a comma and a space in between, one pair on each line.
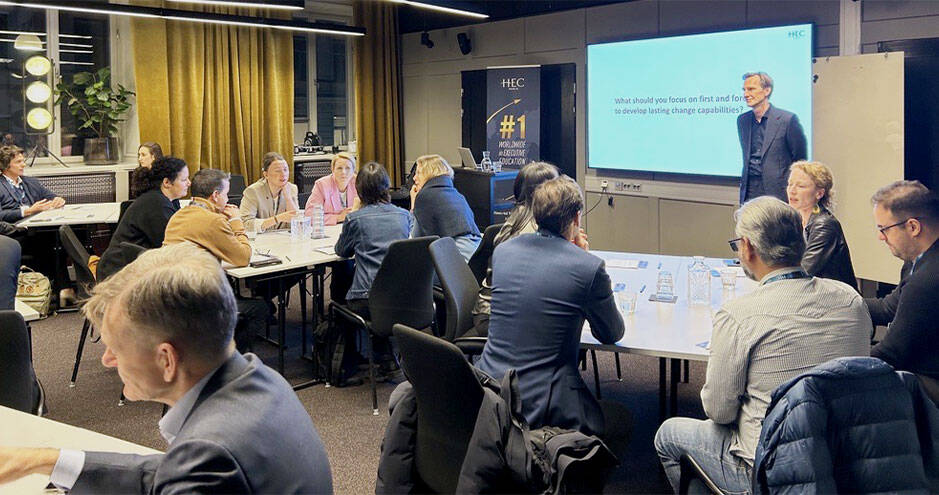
25, 430
293, 253
78, 214
671, 330
29, 314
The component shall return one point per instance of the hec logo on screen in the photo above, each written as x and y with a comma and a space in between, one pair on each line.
796, 34
513, 83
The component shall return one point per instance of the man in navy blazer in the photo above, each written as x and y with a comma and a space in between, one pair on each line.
544, 285
234, 425
771, 139
21, 196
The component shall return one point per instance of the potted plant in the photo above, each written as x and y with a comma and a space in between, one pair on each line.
97, 107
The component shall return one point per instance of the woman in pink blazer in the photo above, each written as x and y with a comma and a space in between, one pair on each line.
335, 192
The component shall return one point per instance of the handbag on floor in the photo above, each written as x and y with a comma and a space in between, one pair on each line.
34, 289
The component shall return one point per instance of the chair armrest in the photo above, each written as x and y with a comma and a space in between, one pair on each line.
691, 470
348, 314
470, 346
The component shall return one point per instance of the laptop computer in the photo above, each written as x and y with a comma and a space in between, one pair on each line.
466, 156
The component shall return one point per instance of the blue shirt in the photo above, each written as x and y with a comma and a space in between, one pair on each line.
366, 234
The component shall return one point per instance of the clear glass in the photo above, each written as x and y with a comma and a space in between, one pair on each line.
729, 278
318, 223
83, 47
486, 163
665, 284
251, 229
626, 301
699, 282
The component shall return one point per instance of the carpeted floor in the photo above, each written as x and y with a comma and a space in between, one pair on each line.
342, 415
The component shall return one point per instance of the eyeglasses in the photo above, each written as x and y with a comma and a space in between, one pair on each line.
883, 230
733, 243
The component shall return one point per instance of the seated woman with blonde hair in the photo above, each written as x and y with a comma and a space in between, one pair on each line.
438, 208
335, 192
826, 251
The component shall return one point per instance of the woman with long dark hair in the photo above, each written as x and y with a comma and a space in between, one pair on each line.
144, 223
519, 221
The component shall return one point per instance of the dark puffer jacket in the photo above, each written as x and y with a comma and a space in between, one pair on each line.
851, 425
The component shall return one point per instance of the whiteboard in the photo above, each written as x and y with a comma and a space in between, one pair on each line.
858, 119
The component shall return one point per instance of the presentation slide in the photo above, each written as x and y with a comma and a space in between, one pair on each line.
671, 104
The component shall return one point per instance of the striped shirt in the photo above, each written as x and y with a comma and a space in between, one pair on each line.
763, 339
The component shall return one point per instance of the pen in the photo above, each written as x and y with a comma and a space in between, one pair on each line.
643, 288
288, 258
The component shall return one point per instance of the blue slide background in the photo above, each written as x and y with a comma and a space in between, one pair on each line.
690, 66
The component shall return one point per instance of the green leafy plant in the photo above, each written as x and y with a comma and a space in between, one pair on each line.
93, 102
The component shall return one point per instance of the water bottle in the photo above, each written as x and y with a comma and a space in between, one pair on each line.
318, 222
699, 282
486, 163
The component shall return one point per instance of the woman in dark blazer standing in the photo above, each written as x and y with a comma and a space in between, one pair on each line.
826, 251
144, 223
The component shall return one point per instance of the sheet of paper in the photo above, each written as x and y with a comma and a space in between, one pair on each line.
623, 264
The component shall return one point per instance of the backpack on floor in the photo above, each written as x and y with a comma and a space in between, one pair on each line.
330, 344
34, 289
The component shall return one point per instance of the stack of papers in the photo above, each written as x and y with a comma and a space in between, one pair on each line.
623, 264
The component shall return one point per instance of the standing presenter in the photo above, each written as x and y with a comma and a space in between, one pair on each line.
771, 139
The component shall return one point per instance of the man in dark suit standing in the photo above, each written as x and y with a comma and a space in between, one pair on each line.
907, 218
770, 139
234, 425
544, 285
21, 196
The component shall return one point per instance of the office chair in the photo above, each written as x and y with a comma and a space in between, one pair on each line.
236, 189
19, 388
479, 261
124, 206
85, 282
448, 399
402, 292
460, 291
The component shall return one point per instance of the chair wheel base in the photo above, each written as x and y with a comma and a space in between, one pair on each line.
374, 412
71, 385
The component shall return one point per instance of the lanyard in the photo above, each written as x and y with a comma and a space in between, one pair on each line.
786, 276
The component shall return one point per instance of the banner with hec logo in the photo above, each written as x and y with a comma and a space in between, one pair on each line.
513, 115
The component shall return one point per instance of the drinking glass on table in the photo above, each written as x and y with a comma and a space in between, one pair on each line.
665, 284
251, 229
728, 278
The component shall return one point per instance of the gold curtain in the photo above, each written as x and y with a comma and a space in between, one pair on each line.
377, 88
217, 96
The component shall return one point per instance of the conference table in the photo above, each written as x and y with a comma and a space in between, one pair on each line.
296, 258
79, 214
672, 332
26, 430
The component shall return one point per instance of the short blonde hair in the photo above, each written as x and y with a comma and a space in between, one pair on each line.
821, 177
342, 155
430, 166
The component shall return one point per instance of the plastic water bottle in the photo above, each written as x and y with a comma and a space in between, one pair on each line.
486, 163
699, 282
318, 223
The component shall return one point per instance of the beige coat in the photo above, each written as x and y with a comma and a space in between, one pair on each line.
257, 203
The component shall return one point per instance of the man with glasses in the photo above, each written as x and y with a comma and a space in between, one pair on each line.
907, 218
789, 324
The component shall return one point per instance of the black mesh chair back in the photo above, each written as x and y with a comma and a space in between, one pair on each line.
124, 206
79, 255
448, 400
460, 289
131, 251
236, 189
17, 382
479, 261
402, 291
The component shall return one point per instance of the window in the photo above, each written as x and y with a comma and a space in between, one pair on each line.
327, 116
74, 42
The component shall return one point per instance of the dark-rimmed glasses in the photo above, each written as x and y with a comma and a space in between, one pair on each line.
733, 243
883, 230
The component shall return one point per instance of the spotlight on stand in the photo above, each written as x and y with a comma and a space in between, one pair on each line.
37, 104
425, 40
